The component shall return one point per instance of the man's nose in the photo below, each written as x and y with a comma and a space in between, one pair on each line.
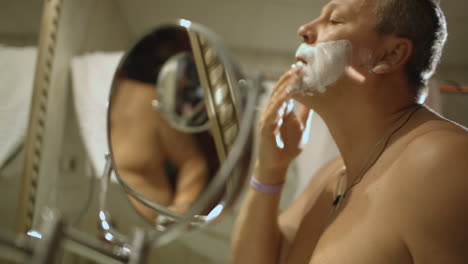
308, 33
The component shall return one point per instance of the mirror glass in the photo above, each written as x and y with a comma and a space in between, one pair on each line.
172, 119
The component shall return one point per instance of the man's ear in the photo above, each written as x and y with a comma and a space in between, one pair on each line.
396, 56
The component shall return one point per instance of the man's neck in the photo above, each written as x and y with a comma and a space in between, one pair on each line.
358, 125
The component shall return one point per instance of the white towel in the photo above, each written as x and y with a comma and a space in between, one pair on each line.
92, 76
17, 65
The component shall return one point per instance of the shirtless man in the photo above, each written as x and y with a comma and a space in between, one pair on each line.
403, 170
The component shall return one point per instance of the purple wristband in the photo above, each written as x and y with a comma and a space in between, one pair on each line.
265, 188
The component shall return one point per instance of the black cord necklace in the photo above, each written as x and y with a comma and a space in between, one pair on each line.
388, 135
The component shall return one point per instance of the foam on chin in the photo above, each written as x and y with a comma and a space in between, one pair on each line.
326, 63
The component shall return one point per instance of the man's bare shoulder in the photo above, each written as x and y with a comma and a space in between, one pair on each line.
438, 144
433, 176
439, 153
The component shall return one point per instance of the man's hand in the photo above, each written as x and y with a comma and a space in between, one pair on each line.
282, 132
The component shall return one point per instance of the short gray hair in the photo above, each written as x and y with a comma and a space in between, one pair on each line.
422, 22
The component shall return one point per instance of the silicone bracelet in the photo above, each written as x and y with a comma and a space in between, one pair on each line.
265, 188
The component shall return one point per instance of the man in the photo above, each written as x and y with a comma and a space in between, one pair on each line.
398, 192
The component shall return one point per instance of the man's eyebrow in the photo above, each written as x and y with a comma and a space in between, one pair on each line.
329, 6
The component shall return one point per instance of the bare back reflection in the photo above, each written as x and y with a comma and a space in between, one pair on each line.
168, 166
150, 154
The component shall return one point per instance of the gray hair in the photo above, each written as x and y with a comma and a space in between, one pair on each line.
422, 22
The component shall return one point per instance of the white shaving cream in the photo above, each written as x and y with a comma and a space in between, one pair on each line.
325, 64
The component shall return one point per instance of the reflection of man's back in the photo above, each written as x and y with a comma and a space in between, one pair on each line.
164, 164
136, 142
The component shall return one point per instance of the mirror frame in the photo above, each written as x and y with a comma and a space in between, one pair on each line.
222, 105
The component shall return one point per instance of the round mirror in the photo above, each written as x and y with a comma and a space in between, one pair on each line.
173, 118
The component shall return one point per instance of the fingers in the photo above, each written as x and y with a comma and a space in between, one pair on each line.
280, 93
287, 116
275, 109
295, 129
284, 80
304, 115
290, 124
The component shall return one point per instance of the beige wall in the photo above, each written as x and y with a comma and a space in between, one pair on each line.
20, 17
19, 26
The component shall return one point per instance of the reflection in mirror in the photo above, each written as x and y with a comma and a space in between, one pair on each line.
158, 124
178, 86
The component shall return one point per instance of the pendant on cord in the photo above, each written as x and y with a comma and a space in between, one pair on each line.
337, 200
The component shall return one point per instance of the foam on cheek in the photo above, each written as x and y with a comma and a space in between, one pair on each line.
326, 63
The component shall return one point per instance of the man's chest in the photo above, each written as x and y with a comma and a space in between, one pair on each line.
365, 240
363, 230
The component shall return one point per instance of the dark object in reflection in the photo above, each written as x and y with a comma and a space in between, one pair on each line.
181, 99
169, 166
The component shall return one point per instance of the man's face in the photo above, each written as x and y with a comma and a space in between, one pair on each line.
352, 20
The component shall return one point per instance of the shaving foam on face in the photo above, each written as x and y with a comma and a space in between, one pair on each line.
325, 64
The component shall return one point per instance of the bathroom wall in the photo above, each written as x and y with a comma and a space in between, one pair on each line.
19, 26
19, 21
454, 104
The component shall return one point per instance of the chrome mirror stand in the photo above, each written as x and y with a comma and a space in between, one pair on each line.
54, 237
37, 247
110, 234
